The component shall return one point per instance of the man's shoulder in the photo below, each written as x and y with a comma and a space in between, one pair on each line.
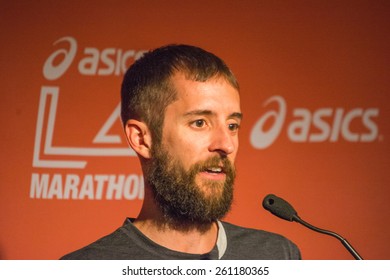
115, 245
250, 243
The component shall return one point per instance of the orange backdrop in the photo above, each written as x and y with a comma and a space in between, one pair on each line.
314, 79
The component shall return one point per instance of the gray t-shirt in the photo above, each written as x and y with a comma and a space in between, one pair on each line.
233, 243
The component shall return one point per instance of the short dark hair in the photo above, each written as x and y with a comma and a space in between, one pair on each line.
147, 89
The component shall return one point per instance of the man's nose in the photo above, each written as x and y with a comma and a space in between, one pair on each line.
222, 141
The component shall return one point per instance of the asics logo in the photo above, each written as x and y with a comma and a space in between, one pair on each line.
321, 125
93, 62
261, 139
52, 71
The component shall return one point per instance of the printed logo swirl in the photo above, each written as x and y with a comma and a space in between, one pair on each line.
53, 71
261, 139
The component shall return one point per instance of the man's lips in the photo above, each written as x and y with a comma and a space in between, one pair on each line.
214, 170
214, 173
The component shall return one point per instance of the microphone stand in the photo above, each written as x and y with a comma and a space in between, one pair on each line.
346, 244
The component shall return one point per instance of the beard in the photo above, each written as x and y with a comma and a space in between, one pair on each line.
184, 203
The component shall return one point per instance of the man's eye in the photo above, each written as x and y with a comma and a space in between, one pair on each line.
199, 123
234, 126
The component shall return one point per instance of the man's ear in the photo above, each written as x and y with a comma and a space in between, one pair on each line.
139, 137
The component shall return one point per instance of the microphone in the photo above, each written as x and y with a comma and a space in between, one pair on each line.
282, 209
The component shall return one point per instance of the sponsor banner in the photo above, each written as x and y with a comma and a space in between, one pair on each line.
320, 125
314, 94
69, 55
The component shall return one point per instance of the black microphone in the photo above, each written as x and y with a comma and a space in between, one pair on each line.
282, 209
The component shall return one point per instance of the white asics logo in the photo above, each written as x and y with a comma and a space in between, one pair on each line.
52, 71
321, 125
92, 62
261, 139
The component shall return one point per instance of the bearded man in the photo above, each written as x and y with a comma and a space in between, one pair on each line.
181, 115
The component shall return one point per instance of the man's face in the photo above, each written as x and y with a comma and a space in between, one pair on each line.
193, 167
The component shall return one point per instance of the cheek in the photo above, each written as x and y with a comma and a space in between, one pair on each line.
188, 150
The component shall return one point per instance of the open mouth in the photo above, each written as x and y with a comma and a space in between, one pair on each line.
215, 170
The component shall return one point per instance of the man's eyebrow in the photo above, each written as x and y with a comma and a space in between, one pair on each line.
236, 115
199, 113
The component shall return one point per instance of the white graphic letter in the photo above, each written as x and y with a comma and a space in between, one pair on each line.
52, 71
261, 139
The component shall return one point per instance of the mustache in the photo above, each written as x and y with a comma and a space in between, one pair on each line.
214, 162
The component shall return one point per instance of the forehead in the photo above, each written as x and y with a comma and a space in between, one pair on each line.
214, 93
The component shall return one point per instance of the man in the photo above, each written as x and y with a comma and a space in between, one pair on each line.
181, 115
